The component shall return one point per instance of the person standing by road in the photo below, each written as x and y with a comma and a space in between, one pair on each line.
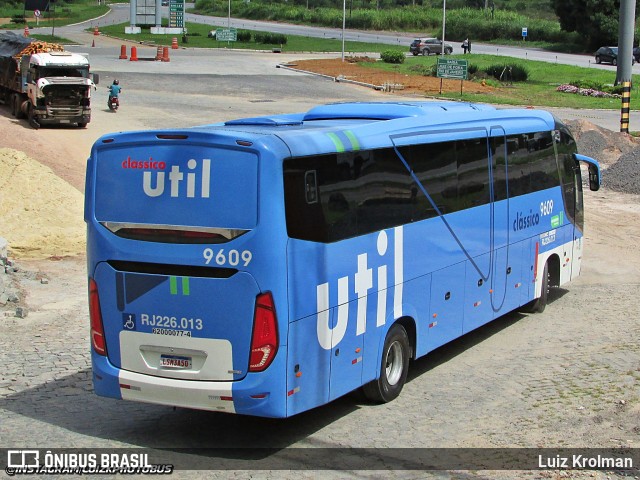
465, 46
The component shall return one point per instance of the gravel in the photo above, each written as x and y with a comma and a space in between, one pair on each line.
624, 175
618, 154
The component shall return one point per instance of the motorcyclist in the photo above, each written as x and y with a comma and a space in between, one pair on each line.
114, 90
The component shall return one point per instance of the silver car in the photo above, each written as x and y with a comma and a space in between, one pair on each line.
428, 46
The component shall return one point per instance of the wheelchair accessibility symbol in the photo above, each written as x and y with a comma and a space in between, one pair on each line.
129, 321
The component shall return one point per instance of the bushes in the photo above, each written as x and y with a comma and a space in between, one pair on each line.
477, 24
508, 72
271, 38
244, 36
392, 56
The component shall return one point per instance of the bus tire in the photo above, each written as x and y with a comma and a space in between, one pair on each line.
538, 305
394, 366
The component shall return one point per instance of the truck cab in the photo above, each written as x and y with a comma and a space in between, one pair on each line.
58, 86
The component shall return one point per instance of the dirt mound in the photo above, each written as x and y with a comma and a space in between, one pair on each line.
40, 215
618, 154
397, 82
604, 145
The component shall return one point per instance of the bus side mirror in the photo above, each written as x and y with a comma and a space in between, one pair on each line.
95, 78
594, 178
594, 171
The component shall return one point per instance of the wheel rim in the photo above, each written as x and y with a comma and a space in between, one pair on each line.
394, 364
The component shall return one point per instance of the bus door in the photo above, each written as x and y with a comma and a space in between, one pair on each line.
505, 274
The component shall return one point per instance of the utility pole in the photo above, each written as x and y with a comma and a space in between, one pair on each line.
625, 53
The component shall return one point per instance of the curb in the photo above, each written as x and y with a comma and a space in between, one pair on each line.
329, 77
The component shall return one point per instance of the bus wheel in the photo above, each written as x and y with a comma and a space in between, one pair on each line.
538, 305
393, 367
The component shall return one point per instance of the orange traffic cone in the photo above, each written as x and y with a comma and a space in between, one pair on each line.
174, 43
123, 52
165, 55
159, 53
134, 54
93, 44
96, 31
26, 31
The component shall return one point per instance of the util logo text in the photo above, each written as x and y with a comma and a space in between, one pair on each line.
177, 186
328, 336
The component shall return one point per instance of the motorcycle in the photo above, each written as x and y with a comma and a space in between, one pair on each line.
113, 103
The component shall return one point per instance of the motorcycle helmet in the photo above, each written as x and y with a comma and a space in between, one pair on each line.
116, 82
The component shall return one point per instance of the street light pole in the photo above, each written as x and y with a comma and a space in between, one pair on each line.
229, 17
344, 21
444, 20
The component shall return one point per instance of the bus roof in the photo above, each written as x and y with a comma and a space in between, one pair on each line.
352, 126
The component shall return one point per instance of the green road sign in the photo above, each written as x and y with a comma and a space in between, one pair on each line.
452, 68
227, 35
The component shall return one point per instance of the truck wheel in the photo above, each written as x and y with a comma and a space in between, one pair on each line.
18, 105
33, 121
393, 367
82, 124
14, 102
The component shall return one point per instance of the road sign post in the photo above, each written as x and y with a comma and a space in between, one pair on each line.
227, 35
524, 34
452, 68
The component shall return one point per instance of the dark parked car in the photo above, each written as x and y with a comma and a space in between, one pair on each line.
427, 46
610, 55
636, 53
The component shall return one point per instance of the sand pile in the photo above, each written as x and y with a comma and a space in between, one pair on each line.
41, 215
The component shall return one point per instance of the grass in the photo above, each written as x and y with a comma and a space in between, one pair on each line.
64, 14
539, 90
197, 37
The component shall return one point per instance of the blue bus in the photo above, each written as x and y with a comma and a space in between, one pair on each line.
266, 266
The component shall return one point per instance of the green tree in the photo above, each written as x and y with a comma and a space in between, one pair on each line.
595, 20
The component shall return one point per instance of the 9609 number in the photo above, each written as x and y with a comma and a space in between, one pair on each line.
232, 257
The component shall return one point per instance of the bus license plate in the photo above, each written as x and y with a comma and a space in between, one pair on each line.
176, 362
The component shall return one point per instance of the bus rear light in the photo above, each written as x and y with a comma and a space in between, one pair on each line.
97, 330
264, 342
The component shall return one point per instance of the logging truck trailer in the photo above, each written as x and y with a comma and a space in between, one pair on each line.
47, 87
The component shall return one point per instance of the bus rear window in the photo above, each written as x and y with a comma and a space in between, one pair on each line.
151, 190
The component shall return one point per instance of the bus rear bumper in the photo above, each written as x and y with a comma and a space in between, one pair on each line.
246, 396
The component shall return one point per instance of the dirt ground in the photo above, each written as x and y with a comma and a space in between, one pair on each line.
389, 81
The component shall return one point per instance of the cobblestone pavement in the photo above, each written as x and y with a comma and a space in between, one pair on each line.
564, 378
